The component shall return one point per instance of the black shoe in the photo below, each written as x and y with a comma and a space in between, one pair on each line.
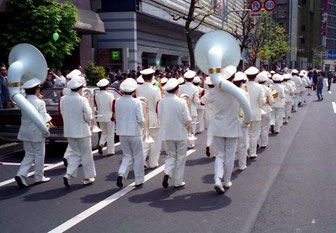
20, 183
207, 152
322, 99
65, 162
165, 181
120, 182
272, 129
138, 185
100, 150
66, 182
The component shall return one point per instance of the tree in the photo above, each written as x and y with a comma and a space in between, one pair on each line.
94, 73
35, 22
189, 18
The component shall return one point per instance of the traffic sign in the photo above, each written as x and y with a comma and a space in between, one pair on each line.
255, 5
270, 5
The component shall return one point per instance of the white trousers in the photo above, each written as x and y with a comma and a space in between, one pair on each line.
254, 133
242, 147
264, 129
107, 136
80, 152
303, 96
34, 153
288, 110
153, 150
278, 116
226, 149
176, 159
200, 119
296, 101
132, 149
193, 130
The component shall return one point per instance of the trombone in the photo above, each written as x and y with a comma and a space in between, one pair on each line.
147, 138
191, 136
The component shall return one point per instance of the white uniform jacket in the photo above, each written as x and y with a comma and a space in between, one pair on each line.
257, 99
293, 85
268, 95
201, 93
304, 84
225, 122
280, 100
241, 111
28, 130
104, 101
298, 83
76, 113
128, 115
174, 118
153, 95
289, 91
192, 91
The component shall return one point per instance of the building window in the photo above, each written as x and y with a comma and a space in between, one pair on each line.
303, 28
303, 40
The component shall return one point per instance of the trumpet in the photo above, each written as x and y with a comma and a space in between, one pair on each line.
191, 136
275, 94
147, 138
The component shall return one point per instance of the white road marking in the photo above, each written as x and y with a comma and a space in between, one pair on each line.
49, 167
334, 106
102, 204
330, 92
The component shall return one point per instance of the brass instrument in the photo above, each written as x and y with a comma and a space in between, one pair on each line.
147, 138
191, 136
275, 94
93, 123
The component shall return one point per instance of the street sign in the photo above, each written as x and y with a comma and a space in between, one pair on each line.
331, 53
255, 6
270, 5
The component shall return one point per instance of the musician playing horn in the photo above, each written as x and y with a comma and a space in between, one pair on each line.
192, 91
103, 100
174, 118
279, 102
77, 114
32, 137
129, 120
153, 95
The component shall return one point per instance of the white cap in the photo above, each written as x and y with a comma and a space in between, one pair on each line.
164, 80
181, 80
147, 71
272, 72
103, 82
73, 74
302, 73
277, 77
140, 80
31, 83
229, 71
262, 76
153, 81
171, 84
239, 76
189, 74
197, 80
295, 71
287, 76
252, 71
208, 81
76, 82
129, 85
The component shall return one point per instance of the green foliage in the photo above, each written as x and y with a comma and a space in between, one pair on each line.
94, 74
35, 21
318, 59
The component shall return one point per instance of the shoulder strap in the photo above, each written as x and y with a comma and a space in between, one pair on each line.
113, 110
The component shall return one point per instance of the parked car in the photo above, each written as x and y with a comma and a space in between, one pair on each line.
10, 118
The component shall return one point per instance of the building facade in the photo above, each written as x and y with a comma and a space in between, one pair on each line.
144, 33
328, 21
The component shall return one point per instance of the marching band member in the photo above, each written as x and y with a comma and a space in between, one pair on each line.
140, 80
189, 89
266, 110
225, 129
289, 87
129, 119
174, 118
32, 137
200, 108
209, 112
243, 140
257, 100
163, 81
104, 101
298, 84
153, 95
279, 102
303, 87
77, 114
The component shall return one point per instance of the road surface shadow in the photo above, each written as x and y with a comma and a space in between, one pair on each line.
170, 203
8, 192
53, 193
200, 161
97, 197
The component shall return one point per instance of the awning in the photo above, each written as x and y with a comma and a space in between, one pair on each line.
89, 22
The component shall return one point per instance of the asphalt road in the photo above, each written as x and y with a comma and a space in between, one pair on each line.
290, 187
